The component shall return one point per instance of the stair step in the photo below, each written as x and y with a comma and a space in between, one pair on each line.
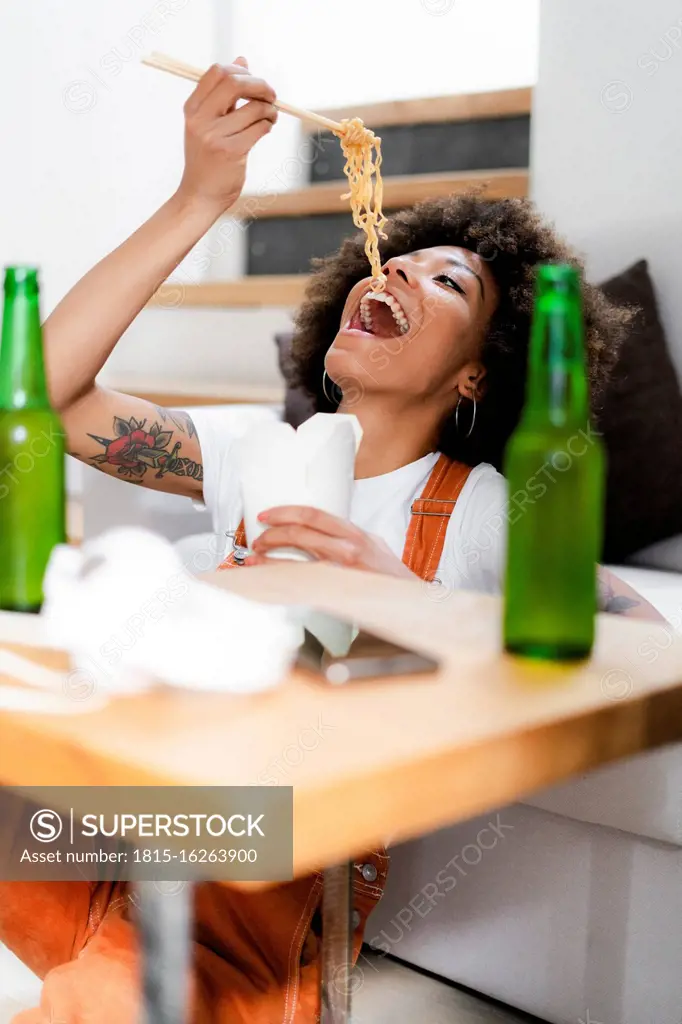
432, 109
440, 148
436, 134
255, 292
399, 192
174, 394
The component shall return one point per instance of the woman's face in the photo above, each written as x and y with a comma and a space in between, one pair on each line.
425, 340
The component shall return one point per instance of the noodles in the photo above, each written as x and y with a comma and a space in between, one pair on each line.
363, 170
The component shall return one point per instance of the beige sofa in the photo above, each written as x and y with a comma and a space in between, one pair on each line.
575, 914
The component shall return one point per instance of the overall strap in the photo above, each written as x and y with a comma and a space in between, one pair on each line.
431, 515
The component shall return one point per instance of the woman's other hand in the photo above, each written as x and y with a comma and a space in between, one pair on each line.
219, 135
327, 538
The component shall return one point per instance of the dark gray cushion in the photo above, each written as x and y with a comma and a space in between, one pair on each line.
641, 420
298, 405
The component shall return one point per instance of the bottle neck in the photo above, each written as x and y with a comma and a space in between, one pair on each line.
23, 383
558, 393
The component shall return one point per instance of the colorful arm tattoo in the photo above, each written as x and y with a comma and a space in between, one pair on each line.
136, 448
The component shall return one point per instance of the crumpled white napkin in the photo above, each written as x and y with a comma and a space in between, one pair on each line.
313, 465
131, 615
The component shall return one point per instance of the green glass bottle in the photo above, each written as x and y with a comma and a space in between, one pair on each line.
32, 440
554, 466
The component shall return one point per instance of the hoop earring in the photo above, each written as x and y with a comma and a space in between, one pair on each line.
473, 418
332, 401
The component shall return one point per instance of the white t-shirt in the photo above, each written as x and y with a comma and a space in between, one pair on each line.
473, 553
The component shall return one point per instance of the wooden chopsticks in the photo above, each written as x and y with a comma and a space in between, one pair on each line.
176, 67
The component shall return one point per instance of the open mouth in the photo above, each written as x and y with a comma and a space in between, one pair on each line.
380, 314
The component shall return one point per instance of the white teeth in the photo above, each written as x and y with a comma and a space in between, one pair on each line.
365, 316
393, 305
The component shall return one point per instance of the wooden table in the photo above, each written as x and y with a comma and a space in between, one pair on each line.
380, 759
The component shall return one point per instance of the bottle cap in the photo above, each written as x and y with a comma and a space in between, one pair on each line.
21, 279
557, 277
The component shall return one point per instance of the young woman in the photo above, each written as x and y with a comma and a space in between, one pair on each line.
460, 275
436, 377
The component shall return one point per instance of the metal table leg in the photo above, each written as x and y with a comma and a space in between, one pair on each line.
165, 916
337, 931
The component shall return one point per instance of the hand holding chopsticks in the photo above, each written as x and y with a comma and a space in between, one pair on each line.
176, 67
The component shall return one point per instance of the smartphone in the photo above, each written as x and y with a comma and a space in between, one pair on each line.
341, 652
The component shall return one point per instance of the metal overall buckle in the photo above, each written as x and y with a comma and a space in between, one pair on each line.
238, 552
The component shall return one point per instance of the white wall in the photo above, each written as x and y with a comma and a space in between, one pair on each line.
415, 47
92, 141
607, 137
314, 55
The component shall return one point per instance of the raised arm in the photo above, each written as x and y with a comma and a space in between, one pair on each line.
126, 436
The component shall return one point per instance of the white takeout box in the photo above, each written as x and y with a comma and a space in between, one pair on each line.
314, 465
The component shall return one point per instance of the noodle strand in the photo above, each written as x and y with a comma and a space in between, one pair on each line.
362, 150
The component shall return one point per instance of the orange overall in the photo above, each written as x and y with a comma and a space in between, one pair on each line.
256, 956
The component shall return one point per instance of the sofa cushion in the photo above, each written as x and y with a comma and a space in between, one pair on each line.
640, 795
661, 589
641, 420
665, 554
